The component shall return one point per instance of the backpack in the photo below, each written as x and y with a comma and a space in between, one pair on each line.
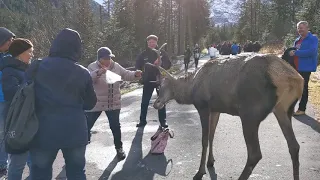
21, 124
159, 140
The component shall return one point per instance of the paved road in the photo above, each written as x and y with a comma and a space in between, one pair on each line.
182, 156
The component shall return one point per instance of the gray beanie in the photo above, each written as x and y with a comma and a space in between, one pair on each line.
5, 35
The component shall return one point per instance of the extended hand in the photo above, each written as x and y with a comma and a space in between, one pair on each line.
138, 73
101, 71
157, 62
291, 53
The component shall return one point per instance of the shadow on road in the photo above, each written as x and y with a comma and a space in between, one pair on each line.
136, 167
106, 173
62, 175
314, 124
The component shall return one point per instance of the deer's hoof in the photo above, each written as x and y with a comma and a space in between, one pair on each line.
198, 176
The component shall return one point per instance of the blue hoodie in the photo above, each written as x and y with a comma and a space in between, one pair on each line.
234, 49
307, 53
63, 91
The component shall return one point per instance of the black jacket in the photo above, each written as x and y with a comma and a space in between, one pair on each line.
149, 72
288, 58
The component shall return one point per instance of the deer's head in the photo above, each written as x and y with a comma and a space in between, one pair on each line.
166, 89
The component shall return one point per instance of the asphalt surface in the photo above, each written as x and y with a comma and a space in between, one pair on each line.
182, 155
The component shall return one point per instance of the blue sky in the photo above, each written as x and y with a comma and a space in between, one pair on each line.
99, 1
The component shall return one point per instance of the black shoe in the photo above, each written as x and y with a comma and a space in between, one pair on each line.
121, 154
164, 125
141, 124
3, 171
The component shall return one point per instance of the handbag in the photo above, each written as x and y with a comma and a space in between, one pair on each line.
160, 139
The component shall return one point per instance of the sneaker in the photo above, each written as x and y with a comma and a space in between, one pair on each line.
141, 124
299, 113
121, 154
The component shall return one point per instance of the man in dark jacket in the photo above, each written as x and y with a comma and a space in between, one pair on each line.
149, 76
63, 91
6, 38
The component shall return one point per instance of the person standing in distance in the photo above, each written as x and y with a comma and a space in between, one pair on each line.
149, 77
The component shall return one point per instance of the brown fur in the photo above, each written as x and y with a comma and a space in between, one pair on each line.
222, 86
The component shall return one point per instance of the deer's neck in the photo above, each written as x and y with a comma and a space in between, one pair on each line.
183, 91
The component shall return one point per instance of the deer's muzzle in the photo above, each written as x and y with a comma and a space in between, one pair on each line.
158, 104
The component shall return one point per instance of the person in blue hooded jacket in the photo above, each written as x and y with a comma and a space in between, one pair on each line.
63, 90
6, 38
234, 49
305, 59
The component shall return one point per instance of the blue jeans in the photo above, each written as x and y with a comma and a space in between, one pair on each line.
16, 164
42, 161
3, 154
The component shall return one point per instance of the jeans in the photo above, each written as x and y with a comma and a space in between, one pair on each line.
304, 98
114, 123
146, 96
16, 164
42, 161
3, 154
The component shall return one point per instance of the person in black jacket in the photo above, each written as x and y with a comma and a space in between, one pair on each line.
13, 77
150, 76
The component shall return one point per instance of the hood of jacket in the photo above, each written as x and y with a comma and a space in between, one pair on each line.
67, 44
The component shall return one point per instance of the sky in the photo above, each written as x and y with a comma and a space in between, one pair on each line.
99, 1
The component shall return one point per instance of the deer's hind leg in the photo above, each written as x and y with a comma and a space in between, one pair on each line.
214, 118
284, 119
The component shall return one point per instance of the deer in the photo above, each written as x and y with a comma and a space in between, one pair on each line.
250, 87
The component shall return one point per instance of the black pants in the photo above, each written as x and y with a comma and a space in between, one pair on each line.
114, 123
196, 60
186, 64
304, 98
146, 96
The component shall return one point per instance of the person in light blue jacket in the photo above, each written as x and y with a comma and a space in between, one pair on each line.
305, 59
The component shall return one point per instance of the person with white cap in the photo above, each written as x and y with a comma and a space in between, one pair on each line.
108, 94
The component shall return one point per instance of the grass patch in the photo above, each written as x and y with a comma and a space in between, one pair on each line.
314, 95
174, 69
130, 89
